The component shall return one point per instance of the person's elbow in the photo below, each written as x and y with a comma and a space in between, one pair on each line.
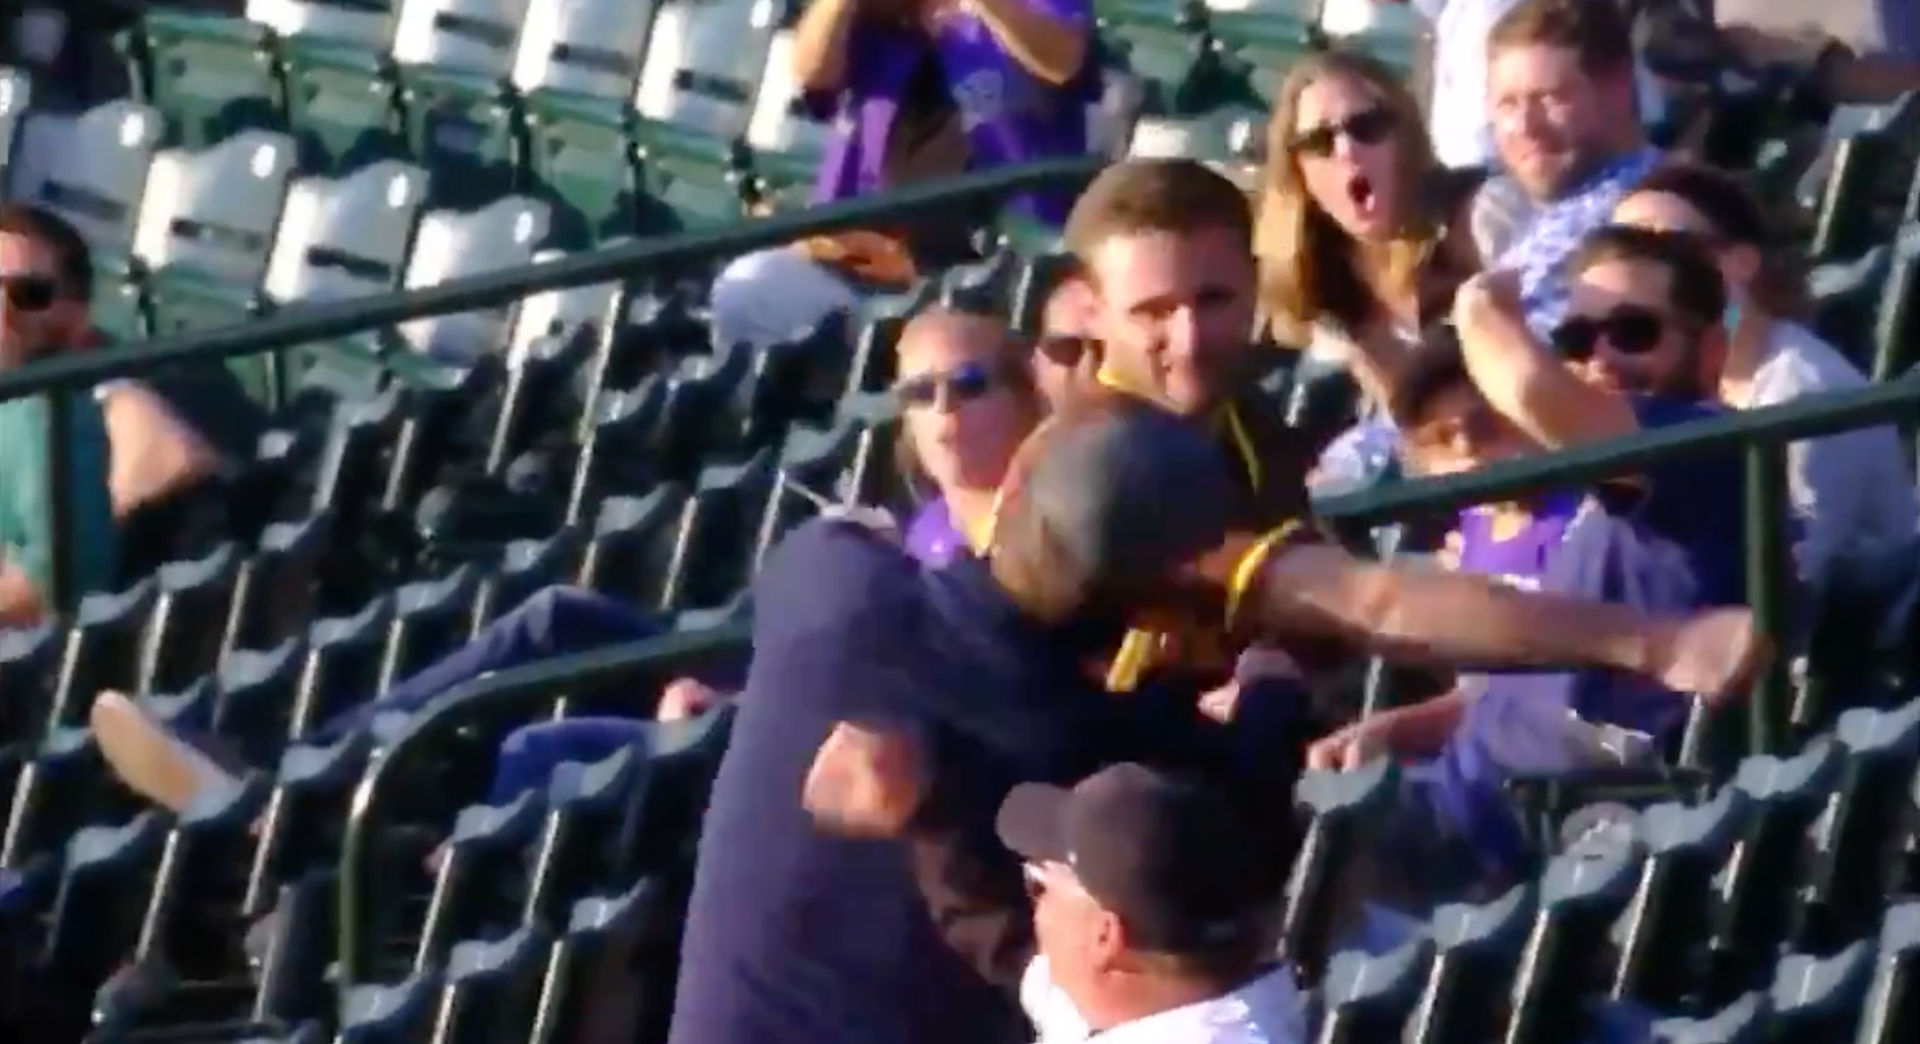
20, 601
1064, 58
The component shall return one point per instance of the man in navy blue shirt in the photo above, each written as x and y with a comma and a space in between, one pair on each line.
1641, 347
797, 934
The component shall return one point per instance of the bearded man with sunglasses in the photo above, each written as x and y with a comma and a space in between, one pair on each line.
43, 308
1640, 347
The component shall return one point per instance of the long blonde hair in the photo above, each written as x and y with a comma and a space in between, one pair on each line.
1307, 265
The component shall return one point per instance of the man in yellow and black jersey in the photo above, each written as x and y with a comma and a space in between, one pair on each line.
1165, 246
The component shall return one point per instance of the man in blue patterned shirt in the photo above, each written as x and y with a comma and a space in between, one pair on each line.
1561, 96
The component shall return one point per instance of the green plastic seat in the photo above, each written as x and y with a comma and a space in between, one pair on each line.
453, 245
784, 139
464, 129
342, 105
91, 168
452, 59
341, 237
205, 234
581, 158
210, 76
367, 24
16, 97
575, 69
704, 63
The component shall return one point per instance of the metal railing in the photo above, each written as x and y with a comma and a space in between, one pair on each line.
310, 322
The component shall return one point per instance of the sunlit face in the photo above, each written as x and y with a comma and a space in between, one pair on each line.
1552, 120
1668, 213
1175, 312
1076, 935
1459, 432
1065, 359
33, 319
963, 419
1346, 145
1621, 333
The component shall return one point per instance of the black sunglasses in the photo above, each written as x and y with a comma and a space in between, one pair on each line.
1370, 127
1628, 329
28, 291
963, 383
1066, 349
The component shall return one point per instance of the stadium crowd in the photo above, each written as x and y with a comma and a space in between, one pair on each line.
1024, 761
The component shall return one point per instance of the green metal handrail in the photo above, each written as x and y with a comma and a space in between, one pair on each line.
310, 322
1761, 435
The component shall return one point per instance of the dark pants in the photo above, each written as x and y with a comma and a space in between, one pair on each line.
556, 621
530, 753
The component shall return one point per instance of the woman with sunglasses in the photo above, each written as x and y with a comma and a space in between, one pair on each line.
1852, 492
1363, 237
1360, 237
968, 399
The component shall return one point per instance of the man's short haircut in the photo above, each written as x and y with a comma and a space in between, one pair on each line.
1695, 288
1430, 371
1156, 195
72, 260
1597, 30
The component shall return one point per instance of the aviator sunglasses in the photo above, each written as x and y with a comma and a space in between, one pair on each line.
1370, 127
28, 291
1628, 329
963, 383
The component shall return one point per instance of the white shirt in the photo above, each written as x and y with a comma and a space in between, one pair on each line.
1462, 132
1268, 1010
1852, 492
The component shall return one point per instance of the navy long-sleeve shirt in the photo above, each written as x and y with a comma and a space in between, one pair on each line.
795, 935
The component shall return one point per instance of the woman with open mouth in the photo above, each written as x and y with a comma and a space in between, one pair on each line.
1363, 234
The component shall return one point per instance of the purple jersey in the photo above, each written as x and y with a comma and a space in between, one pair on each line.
1509, 544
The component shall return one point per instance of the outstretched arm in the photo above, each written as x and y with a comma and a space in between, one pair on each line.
1311, 590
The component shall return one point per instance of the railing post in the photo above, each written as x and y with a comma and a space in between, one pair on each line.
1770, 581
61, 594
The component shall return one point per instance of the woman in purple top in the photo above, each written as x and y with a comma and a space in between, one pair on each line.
969, 400
914, 91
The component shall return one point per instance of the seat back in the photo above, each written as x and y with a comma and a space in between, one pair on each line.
589, 47
91, 168
779, 122
215, 210
16, 96
368, 23
453, 246
704, 62
349, 236
558, 312
471, 36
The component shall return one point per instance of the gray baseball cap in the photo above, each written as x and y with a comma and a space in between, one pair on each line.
1129, 491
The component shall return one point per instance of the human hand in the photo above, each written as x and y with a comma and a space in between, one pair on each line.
1350, 747
685, 698
1715, 654
1221, 703
865, 781
1486, 296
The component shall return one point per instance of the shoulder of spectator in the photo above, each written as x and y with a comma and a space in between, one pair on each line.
834, 575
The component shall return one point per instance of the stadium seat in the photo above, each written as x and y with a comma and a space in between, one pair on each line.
91, 168
340, 237
209, 76
367, 23
450, 246
577, 64
16, 99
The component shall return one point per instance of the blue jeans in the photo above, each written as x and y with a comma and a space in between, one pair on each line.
556, 621
530, 753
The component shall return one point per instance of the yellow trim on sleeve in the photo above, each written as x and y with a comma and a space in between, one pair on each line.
1248, 568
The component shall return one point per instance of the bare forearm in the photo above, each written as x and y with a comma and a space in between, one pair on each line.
819, 58
20, 604
1047, 47
1447, 618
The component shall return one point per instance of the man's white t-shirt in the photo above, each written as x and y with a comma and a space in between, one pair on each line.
1268, 1010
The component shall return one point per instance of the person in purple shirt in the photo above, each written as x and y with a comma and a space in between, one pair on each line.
915, 90
1641, 347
